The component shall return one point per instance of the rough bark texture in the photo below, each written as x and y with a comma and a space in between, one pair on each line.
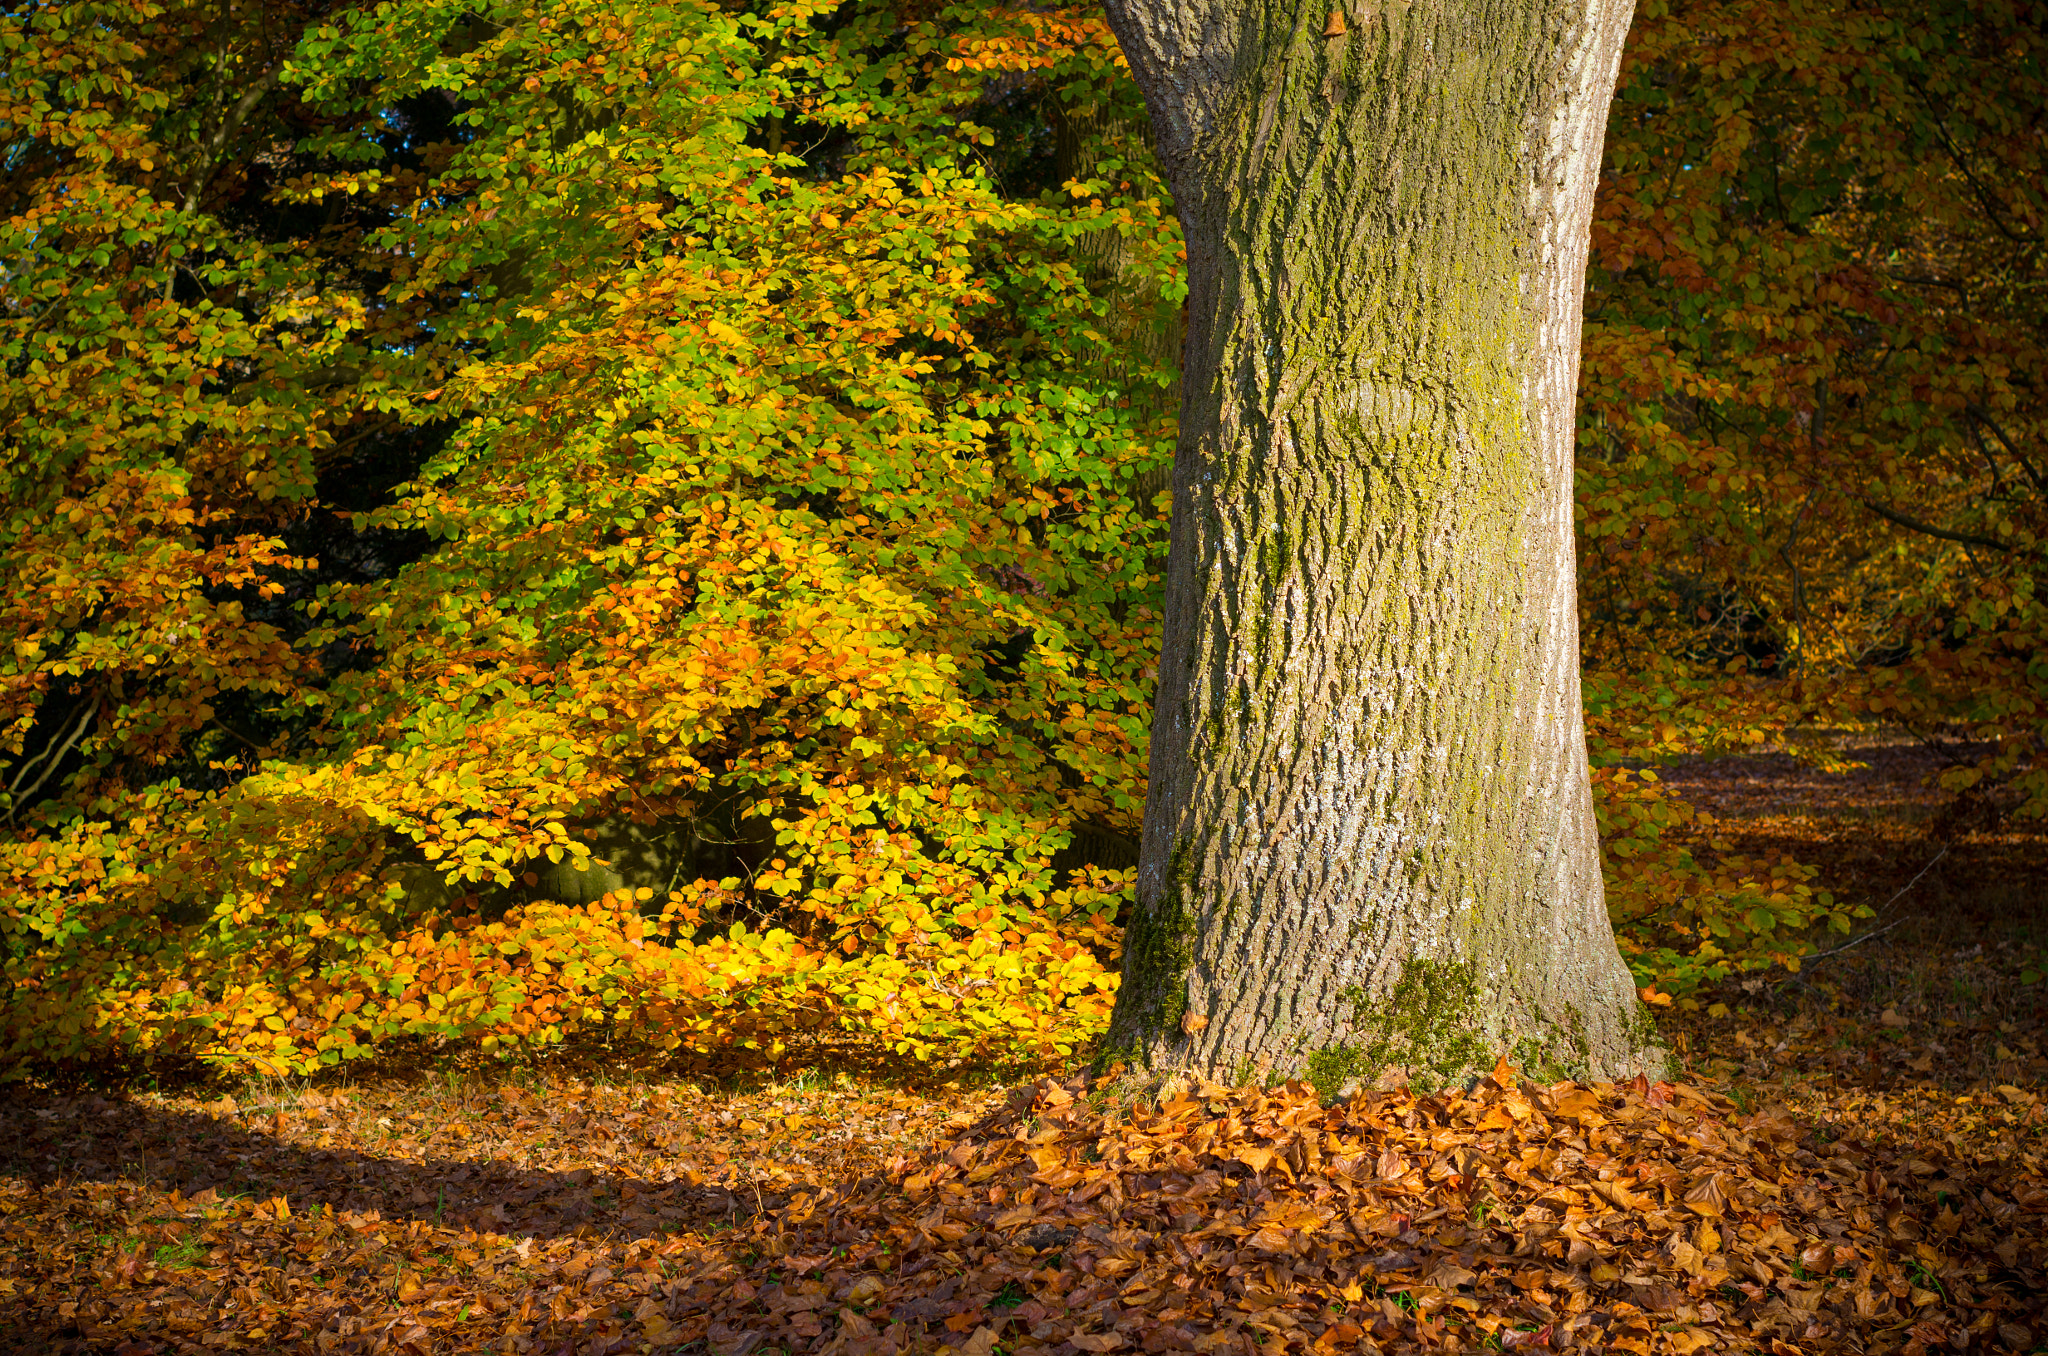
1369, 851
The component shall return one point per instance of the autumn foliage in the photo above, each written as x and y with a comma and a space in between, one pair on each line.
446, 442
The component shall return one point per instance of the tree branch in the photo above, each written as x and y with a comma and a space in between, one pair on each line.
53, 757
1978, 413
1879, 932
1915, 525
240, 110
1994, 209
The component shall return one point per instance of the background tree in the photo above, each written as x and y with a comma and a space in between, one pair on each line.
702, 434
1811, 430
1369, 844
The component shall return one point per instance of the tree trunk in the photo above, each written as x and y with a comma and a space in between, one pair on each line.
1369, 850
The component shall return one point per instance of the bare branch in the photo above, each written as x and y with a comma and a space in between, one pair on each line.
51, 758
1915, 525
1978, 413
1879, 932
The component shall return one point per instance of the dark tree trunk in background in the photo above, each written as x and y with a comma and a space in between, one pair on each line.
1369, 852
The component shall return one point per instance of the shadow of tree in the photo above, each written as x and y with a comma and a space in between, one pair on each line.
1070, 1218
91, 1182
111, 1141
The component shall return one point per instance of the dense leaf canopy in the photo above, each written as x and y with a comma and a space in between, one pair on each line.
646, 519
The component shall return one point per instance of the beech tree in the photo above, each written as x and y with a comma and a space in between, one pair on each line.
1369, 847
651, 515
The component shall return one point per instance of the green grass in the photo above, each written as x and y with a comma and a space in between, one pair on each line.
177, 1256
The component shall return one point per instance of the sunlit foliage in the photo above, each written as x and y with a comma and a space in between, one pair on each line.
448, 442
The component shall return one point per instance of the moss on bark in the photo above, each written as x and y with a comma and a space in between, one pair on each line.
1369, 844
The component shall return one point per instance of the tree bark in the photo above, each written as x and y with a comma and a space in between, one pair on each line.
1369, 852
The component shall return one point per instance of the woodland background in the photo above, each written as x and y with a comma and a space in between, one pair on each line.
445, 442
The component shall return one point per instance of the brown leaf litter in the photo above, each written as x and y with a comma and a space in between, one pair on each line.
1236, 1222
1645, 1218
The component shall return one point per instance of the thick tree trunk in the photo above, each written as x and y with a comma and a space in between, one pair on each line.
1369, 852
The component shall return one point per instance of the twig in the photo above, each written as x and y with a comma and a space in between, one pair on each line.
1854, 941
1879, 932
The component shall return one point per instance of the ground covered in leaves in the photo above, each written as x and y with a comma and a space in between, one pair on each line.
1854, 1162
572, 1218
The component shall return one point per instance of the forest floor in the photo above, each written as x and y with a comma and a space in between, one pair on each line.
1852, 1161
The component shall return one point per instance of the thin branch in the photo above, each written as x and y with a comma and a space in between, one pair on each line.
228, 729
1785, 554
1915, 525
52, 757
57, 747
1994, 209
1997, 477
1978, 413
229, 125
1855, 941
1879, 932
